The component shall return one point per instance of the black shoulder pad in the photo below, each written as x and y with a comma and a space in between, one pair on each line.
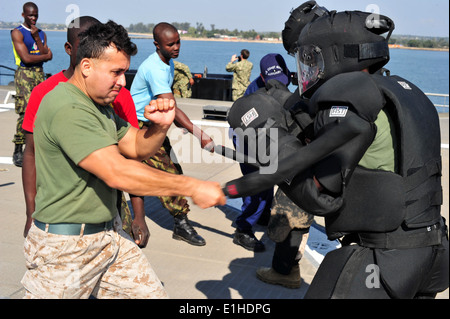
278, 90
356, 89
253, 111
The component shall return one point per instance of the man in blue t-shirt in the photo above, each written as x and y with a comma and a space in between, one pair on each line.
153, 80
30, 53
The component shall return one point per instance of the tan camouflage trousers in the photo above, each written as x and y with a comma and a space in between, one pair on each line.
162, 161
182, 90
25, 79
237, 93
125, 214
106, 265
285, 216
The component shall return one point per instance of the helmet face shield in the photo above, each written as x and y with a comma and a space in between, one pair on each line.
310, 66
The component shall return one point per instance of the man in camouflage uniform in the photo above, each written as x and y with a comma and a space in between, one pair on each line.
289, 224
154, 79
30, 52
242, 69
176, 205
25, 79
289, 229
182, 80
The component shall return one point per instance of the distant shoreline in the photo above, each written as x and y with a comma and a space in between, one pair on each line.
149, 36
413, 48
230, 40
184, 38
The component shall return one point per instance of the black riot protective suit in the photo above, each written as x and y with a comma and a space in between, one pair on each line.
394, 217
395, 242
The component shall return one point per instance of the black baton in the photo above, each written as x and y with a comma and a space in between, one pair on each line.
235, 156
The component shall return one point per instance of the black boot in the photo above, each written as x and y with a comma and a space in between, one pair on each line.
248, 240
183, 230
18, 155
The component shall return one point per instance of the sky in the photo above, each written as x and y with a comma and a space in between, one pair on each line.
411, 17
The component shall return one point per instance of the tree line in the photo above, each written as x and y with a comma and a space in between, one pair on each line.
419, 42
200, 31
197, 31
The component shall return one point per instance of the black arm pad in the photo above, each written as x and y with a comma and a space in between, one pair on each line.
303, 191
345, 158
335, 136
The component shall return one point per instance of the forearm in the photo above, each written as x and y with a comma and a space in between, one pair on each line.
230, 67
182, 120
149, 141
29, 181
33, 59
45, 54
139, 179
43, 49
143, 180
137, 202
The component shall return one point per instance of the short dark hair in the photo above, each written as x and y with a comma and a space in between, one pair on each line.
95, 40
245, 53
29, 4
162, 27
78, 25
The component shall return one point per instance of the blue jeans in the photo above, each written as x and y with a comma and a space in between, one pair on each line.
253, 206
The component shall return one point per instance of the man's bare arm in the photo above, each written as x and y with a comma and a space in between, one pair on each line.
43, 49
29, 180
139, 179
142, 144
22, 51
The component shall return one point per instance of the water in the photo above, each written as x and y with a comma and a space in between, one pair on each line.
429, 70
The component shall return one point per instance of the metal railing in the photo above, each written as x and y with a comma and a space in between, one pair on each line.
47, 75
6, 74
443, 103
8, 68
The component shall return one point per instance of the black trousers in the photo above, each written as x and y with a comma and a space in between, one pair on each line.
285, 254
355, 272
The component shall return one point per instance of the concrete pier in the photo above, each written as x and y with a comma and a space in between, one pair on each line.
219, 270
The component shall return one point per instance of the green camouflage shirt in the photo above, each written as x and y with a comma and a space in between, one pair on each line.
181, 86
241, 76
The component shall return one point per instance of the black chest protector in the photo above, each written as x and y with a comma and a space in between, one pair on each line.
376, 200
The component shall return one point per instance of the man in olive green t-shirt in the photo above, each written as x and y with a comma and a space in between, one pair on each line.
84, 152
381, 153
74, 195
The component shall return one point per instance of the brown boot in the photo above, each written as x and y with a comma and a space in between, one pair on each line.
270, 276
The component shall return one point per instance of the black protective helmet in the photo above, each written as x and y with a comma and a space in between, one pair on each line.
301, 16
339, 43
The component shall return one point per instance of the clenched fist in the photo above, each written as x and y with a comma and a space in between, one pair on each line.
160, 111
